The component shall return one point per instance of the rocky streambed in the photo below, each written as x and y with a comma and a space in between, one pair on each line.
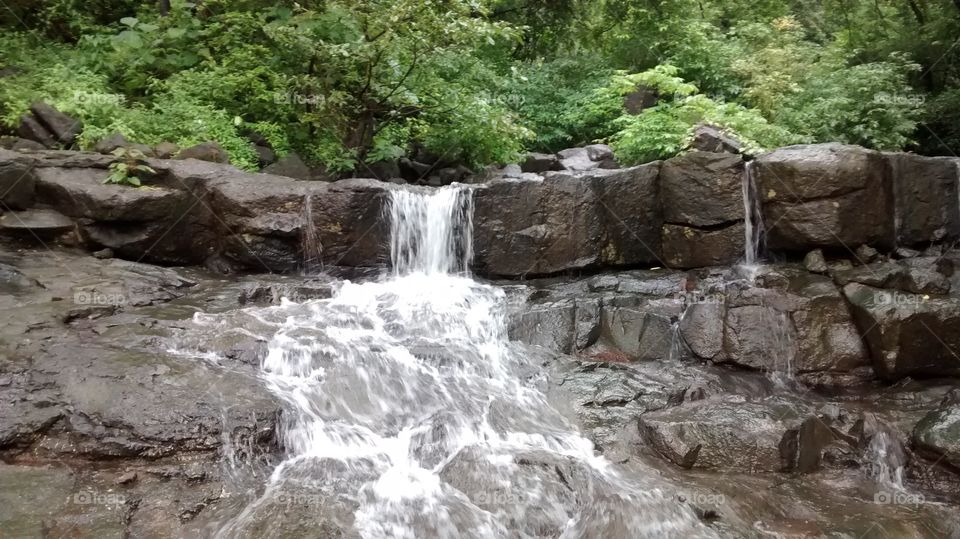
697, 398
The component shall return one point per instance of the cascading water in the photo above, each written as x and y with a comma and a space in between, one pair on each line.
885, 459
410, 414
310, 245
753, 218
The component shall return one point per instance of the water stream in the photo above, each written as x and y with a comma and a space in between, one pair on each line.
753, 219
409, 413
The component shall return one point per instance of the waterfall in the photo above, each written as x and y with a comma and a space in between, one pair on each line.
885, 459
409, 413
752, 217
310, 246
431, 232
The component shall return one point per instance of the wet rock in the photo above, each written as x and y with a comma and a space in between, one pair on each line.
729, 434
689, 247
825, 195
550, 325
927, 204
265, 155
64, 128
540, 162
938, 434
32, 224
166, 150
866, 254
291, 166
599, 152
272, 293
103, 254
31, 129
904, 252
17, 180
20, 144
710, 138
117, 140
12, 281
916, 276
567, 222
815, 262
641, 329
82, 193
702, 189
907, 334
205, 151
576, 160
413, 171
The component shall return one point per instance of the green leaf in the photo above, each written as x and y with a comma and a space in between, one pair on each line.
128, 39
129, 21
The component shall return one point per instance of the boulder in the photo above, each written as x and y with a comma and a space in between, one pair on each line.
825, 195
799, 325
291, 166
205, 151
727, 434
63, 128
815, 262
927, 203
265, 155
82, 193
938, 434
540, 162
18, 180
710, 138
31, 129
535, 227
702, 198
567, 222
381, 170
18, 144
36, 223
576, 160
922, 275
702, 189
166, 150
908, 334
117, 140
640, 329
599, 152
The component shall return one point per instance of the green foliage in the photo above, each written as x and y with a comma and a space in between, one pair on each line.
477, 81
128, 166
664, 130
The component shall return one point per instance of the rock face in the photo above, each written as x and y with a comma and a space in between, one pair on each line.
290, 166
927, 202
567, 222
722, 435
17, 180
825, 195
908, 334
205, 151
710, 138
64, 128
702, 198
938, 434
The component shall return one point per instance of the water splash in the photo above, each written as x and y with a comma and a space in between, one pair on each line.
753, 219
409, 413
310, 246
431, 232
885, 458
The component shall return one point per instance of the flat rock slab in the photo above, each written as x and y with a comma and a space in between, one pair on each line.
41, 222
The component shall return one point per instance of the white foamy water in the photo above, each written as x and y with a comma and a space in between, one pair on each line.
408, 413
885, 460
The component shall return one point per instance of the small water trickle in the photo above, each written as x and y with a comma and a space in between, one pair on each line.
885, 460
753, 219
310, 246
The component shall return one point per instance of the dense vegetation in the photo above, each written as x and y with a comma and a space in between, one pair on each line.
343, 82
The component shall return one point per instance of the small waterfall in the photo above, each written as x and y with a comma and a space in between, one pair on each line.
409, 413
431, 233
752, 217
310, 246
885, 459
